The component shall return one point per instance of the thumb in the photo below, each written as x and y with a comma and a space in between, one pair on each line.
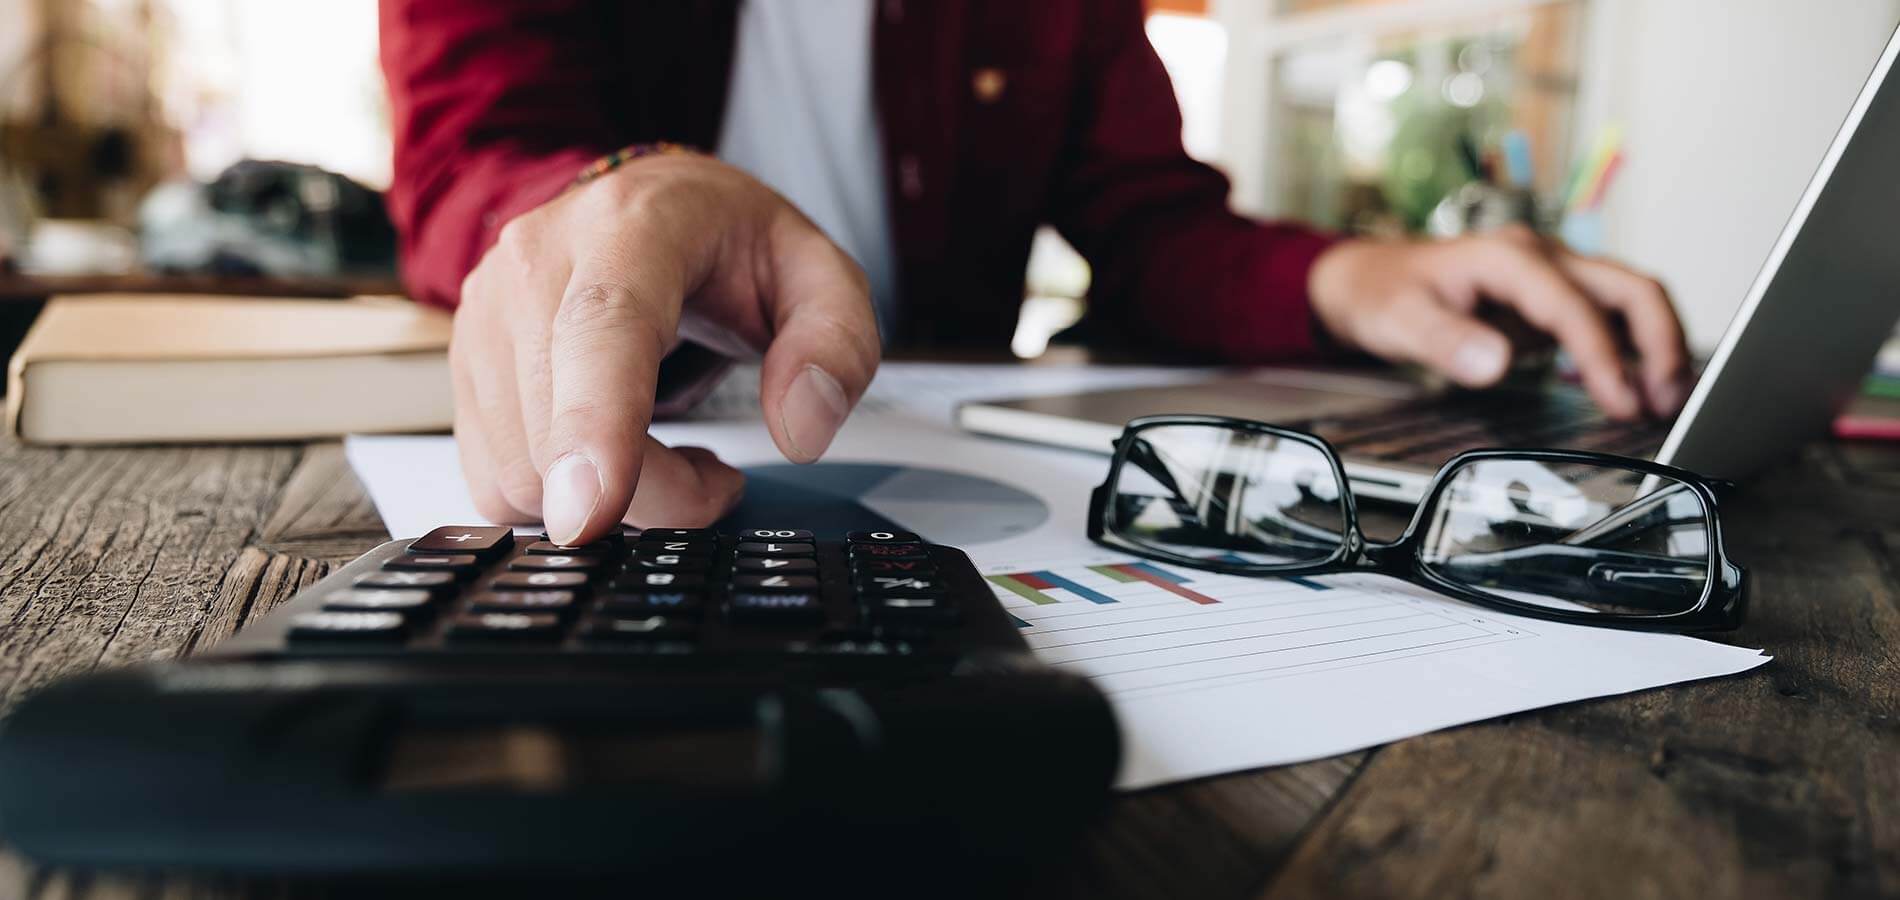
824, 346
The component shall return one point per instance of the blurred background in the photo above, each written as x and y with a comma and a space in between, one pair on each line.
141, 138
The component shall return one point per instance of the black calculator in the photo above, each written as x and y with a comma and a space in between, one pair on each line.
666, 697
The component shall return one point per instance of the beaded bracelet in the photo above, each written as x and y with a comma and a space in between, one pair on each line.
625, 154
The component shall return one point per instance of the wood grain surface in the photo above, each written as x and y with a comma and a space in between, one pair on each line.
1784, 782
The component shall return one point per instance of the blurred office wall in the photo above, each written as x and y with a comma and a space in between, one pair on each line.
1727, 108
1344, 112
1725, 105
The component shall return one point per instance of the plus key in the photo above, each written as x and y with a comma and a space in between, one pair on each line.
482, 541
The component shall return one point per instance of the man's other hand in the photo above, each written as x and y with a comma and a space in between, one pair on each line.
562, 326
1417, 301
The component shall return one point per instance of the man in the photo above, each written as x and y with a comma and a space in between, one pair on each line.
876, 160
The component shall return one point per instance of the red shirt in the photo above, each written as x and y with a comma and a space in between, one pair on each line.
998, 115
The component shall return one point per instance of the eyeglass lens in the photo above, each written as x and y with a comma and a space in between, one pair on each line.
1573, 537
1228, 495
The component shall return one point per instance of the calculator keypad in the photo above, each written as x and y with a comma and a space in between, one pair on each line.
661, 591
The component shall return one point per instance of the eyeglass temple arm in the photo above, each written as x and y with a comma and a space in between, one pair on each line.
1639, 580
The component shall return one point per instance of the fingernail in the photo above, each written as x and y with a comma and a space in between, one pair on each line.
1481, 361
813, 411
568, 497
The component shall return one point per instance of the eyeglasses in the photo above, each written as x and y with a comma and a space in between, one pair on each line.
1568, 536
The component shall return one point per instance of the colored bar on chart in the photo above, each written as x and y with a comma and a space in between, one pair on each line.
1031, 587
1053, 580
1014, 584
1161, 578
1302, 582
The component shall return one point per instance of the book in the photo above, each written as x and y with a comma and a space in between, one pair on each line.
1887, 386
116, 369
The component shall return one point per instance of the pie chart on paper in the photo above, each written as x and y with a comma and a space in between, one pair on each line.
832, 498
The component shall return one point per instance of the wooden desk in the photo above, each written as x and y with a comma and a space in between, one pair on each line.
1781, 783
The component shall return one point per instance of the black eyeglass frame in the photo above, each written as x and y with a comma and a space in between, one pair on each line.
1722, 606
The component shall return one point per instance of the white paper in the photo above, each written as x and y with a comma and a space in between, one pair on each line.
1269, 672
1278, 672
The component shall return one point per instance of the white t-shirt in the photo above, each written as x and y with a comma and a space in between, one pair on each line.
801, 116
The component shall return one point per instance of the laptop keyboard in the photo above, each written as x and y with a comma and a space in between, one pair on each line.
1426, 435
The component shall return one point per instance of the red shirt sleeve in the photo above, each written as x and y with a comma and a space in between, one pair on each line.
495, 106
1169, 257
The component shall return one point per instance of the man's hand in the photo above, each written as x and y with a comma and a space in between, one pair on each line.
1418, 302
563, 324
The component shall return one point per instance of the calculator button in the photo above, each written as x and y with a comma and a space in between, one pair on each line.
643, 629
652, 603
845, 635
774, 534
550, 548
681, 562
522, 601
774, 583
774, 564
910, 609
462, 564
888, 551
907, 636
433, 582
899, 584
554, 563
540, 581
865, 568
610, 540
679, 534
409, 601
774, 608
347, 626
505, 626
774, 548
882, 537
689, 548
485, 541
636, 580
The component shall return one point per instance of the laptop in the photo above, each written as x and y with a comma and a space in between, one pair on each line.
1798, 348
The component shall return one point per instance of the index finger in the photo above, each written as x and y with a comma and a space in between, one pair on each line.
614, 325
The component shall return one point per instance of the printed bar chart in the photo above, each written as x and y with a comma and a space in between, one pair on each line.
1031, 586
1035, 585
1129, 573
